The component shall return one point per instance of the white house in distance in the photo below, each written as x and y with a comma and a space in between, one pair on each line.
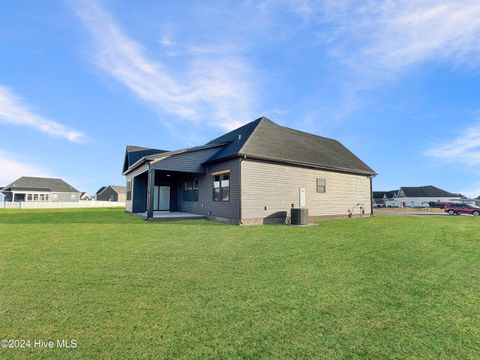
421, 196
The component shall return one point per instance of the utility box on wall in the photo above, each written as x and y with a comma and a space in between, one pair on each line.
302, 197
299, 216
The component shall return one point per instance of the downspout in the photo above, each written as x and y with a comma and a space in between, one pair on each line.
240, 190
371, 197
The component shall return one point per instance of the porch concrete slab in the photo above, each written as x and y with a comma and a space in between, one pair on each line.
172, 215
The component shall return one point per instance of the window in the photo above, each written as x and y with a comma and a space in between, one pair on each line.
221, 186
129, 189
190, 190
46, 197
321, 185
35, 197
42, 197
29, 197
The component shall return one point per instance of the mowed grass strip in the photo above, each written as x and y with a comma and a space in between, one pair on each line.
383, 287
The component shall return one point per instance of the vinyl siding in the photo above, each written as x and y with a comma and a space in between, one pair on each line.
230, 209
139, 194
67, 197
61, 196
277, 187
133, 175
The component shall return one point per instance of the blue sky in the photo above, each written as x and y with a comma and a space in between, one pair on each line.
396, 82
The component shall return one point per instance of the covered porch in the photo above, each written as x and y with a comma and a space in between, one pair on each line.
157, 194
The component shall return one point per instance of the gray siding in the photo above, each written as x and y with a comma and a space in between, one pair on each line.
108, 195
67, 197
188, 162
62, 196
276, 187
132, 175
230, 209
139, 194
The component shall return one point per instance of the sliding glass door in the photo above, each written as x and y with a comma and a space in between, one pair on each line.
161, 198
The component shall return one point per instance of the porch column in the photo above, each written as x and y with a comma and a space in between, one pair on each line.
150, 185
13, 197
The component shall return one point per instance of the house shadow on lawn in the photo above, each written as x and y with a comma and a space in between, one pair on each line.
86, 216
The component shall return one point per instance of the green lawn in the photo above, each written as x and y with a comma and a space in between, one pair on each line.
387, 287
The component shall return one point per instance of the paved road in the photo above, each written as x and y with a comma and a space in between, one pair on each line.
408, 212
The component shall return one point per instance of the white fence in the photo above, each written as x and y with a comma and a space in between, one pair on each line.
59, 204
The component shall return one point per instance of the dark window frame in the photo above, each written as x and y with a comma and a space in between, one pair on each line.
191, 189
221, 189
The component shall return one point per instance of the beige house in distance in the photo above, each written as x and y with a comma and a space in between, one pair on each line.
252, 175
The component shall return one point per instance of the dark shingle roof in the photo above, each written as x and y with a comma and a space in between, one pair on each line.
101, 189
264, 139
26, 183
117, 188
426, 191
135, 153
381, 194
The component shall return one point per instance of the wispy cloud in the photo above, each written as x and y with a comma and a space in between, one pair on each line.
12, 167
374, 42
13, 110
384, 37
464, 149
217, 89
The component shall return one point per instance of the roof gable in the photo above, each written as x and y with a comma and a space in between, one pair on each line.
119, 189
135, 153
116, 188
100, 190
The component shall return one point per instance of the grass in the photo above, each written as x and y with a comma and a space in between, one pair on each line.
388, 287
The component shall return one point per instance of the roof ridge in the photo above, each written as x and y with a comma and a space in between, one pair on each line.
260, 120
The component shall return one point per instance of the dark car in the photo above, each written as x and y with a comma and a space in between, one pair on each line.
457, 209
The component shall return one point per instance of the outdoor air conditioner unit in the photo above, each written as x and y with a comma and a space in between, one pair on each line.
299, 216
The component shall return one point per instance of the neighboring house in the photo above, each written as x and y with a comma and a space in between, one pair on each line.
40, 189
424, 195
111, 193
86, 197
381, 198
254, 174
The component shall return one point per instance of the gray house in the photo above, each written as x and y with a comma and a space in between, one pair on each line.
111, 193
40, 189
254, 174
